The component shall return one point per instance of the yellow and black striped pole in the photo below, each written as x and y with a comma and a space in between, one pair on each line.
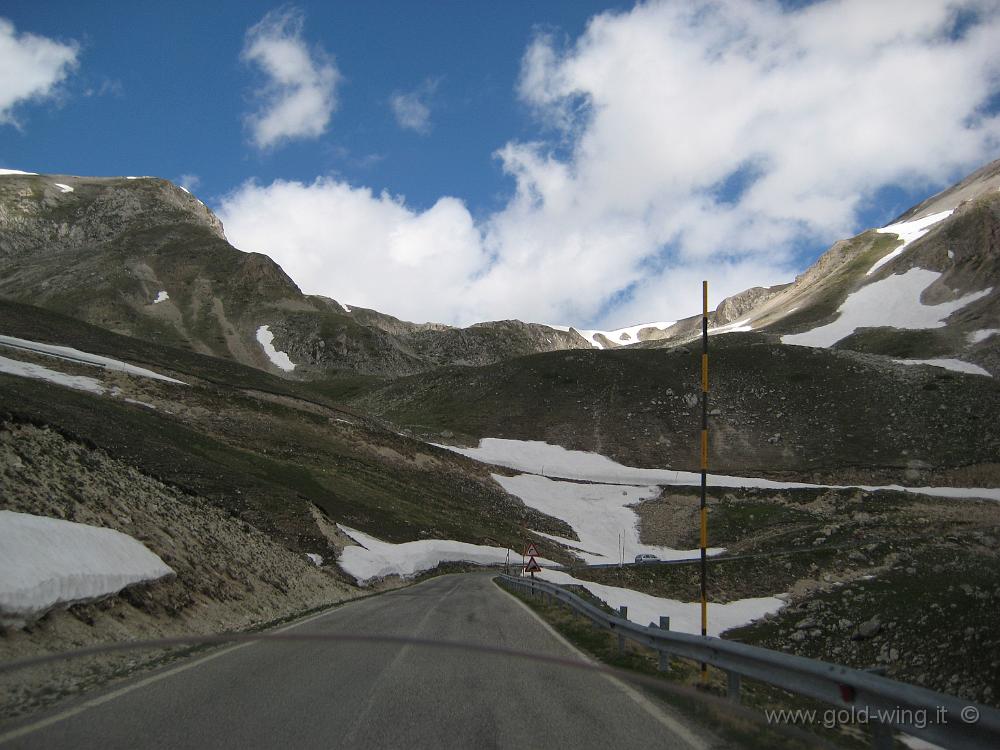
704, 467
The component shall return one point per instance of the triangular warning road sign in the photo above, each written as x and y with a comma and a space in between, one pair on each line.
531, 551
532, 566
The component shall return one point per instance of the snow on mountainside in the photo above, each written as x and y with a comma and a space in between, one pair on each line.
618, 337
893, 301
917, 289
908, 232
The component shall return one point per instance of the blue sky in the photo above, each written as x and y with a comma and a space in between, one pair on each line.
168, 92
568, 162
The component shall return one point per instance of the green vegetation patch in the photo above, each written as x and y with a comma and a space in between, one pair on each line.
892, 342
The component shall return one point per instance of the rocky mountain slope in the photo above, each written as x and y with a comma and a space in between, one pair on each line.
144, 258
776, 410
946, 307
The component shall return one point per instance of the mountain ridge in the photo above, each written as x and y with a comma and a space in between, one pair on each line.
143, 257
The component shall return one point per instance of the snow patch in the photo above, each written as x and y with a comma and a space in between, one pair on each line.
37, 372
161, 296
140, 403
976, 336
184, 189
628, 335
598, 513
346, 308
892, 302
314, 558
908, 232
685, 617
279, 359
738, 326
45, 562
377, 559
957, 365
63, 188
75, 355
15, 171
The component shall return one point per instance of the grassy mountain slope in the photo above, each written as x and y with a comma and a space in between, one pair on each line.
262, 448
104, 252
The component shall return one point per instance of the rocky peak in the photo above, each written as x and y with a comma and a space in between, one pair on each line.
60, 213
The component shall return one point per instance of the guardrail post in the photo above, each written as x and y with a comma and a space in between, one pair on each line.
733, 686
882, 738
623, 612
664, 655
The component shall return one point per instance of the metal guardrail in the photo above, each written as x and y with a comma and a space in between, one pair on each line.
882, 703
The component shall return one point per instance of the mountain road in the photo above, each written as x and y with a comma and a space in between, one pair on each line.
359, 694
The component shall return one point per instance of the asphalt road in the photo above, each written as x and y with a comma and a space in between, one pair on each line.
327, 695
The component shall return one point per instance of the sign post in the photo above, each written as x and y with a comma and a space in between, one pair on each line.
532, 567
704, 468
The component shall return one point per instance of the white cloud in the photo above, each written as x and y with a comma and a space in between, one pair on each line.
412, 109
299, 96
654, 109
189, 182
31, 67
361, 248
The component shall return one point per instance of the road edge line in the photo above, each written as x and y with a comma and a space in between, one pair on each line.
657, 712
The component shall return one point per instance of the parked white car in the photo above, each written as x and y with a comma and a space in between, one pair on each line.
646, 558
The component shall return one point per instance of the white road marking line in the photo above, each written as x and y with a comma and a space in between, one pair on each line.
100, 700
648, 706
94, 702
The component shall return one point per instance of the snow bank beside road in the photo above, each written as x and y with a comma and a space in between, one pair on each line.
45, 562
685, 617
378, 559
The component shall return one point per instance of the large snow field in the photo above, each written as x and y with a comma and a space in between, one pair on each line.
685, 617
908, 232
279, 359
598, 513
14, 171
890, 302
374, 558
37, 372
75, 355
45, 562
537, 457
